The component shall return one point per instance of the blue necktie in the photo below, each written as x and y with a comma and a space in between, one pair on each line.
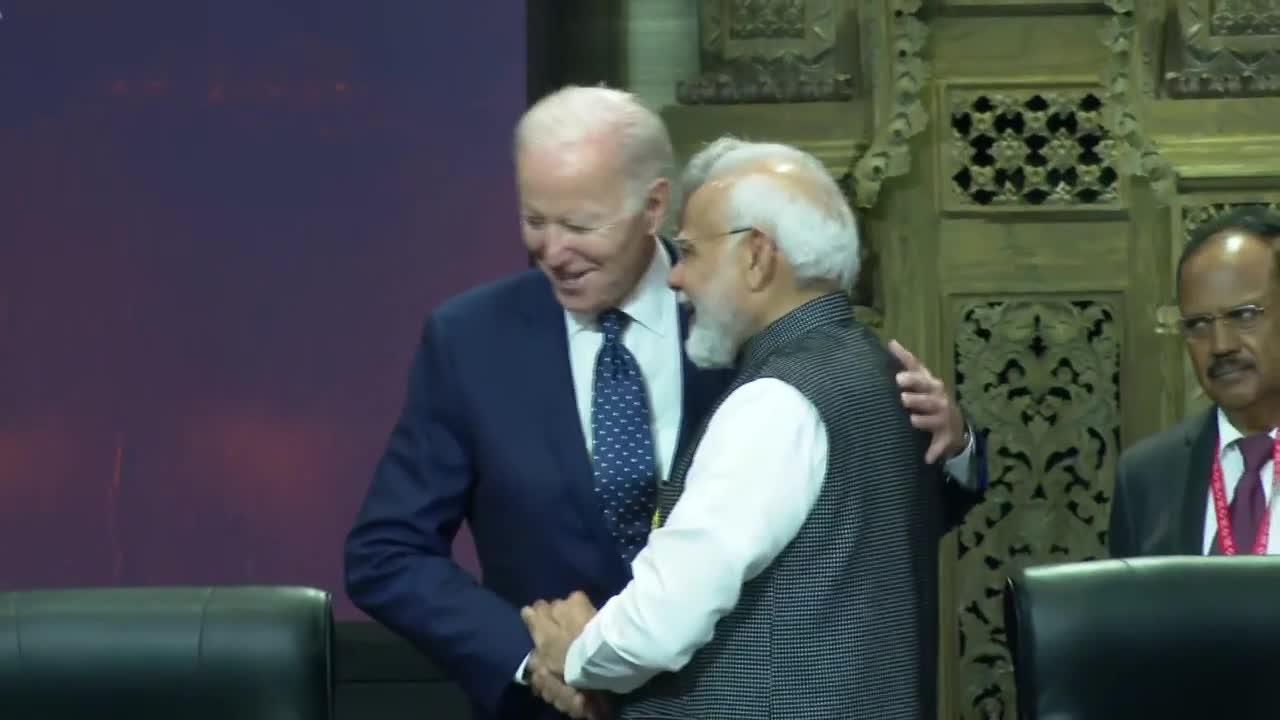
621, 441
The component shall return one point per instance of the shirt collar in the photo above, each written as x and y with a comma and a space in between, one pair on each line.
648, 304
1228, 434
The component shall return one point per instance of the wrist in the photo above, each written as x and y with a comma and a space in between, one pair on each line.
966, 437
524, 673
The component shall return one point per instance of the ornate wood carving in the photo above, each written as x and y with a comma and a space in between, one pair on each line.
1223, 48
1196, 214
1042, 375
1011, 7
772, 19
768, 51
890, 152
1245, 17
867, 294
1030, 149
1136, 154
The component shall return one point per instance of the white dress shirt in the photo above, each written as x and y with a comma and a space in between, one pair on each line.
1232, 467
752, 484
653, 336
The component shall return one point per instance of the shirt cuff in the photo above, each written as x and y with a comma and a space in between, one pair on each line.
593, 664
958, 467
520, 671
580, 650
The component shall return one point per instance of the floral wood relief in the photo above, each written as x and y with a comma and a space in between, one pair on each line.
769, 51
1245, 17
1223, 48
890, 153
1195, 215
1041, 377
1031, 149
752, 19
1136, 154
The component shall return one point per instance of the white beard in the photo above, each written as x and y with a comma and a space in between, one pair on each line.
714, 339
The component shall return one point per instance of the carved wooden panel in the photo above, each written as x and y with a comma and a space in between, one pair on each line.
1026, 149
1245, 17
1125, 87
1196, 214
902, 76
1006, 7
770, 51
1223, 48
771, 19
1041, 373
868, 291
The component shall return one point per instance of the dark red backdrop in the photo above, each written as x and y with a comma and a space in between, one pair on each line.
221, 225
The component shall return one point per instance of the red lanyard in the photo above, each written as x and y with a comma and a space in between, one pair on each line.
1218, 489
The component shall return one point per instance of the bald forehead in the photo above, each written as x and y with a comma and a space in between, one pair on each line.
596, 148
790, 175
705, 200
1233, 267
1232, 248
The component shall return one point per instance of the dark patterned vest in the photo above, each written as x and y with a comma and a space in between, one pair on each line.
843, 623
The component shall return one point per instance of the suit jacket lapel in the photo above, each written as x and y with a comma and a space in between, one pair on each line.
1200, 441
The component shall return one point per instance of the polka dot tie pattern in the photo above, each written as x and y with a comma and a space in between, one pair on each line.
621, 440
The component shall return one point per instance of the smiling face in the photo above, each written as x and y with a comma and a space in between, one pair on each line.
707, 273
1227, 298
590, 238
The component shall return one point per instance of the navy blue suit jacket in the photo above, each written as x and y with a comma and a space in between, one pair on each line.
490, 433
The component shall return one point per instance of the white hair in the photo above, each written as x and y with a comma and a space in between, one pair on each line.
699, 167
575, 114
815, 231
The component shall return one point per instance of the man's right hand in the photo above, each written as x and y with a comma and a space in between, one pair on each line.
574, 703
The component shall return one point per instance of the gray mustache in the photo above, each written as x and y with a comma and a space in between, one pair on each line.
1227, 365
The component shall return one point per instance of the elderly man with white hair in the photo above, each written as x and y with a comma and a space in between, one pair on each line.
546, 408
793, 569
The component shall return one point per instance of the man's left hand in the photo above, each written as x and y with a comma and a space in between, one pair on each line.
931, 407
554, 626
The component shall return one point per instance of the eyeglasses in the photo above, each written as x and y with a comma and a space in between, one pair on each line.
1242, 318
684, 245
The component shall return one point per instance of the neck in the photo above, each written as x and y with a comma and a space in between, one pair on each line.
637, 275
1261, 417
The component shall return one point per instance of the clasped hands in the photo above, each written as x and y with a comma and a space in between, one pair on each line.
554, 626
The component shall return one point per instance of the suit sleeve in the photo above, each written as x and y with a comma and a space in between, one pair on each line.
964, 494
1120, 532
399, 567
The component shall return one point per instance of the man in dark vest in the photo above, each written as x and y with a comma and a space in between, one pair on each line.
792, 572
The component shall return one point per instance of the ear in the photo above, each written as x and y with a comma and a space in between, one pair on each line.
760, 259
655, 205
